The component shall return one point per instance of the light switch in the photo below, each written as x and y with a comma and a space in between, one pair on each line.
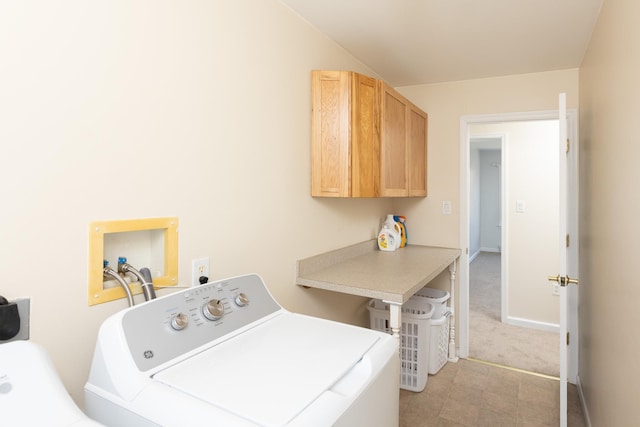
520, 206
446, 207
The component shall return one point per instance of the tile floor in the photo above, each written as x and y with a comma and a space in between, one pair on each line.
471, 393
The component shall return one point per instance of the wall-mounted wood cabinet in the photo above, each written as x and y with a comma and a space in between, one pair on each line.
367, 140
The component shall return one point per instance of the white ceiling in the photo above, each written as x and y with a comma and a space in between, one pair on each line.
410, 42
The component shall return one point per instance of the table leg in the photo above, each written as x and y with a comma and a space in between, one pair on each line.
452, 320
395, 319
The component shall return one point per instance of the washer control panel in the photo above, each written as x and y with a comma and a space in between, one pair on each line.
164, 328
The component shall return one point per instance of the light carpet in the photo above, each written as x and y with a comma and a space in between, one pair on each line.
497, 342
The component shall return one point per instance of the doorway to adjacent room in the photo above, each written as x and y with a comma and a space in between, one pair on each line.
511, 175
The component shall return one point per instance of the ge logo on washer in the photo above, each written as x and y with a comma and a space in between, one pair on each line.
148, 354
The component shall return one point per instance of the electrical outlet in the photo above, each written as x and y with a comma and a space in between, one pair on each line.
199, 268
556, 289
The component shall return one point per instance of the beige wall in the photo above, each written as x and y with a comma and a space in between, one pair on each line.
609, 212
200, 110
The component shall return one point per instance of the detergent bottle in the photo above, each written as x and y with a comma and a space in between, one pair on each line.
400, 220
394, 226
388, 239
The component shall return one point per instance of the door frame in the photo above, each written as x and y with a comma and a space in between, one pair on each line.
463, 270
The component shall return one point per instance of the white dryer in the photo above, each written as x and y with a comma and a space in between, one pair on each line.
227, 354
31, 392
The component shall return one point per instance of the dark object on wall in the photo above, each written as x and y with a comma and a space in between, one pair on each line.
9, 319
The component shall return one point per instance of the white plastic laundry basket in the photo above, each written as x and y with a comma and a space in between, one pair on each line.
439, 342
437, 297
415, 335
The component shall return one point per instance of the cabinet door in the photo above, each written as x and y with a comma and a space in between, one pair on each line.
417, 154
330, 139
393, 143
365, 137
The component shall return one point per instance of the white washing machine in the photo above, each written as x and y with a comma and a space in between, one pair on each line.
31, 393
227, 354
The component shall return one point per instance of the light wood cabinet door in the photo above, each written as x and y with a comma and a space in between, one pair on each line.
417, 155
330, 139
365, 137
393, 143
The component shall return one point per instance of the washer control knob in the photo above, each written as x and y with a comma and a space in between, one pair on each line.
179, 321
213, 310
241, 299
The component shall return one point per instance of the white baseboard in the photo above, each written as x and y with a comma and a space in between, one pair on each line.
484, 249
583, 403
476, 253
533, 324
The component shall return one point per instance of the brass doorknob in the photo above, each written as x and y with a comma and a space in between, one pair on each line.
563, 281
570, 280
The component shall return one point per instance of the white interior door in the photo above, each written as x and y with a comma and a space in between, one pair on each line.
566, 251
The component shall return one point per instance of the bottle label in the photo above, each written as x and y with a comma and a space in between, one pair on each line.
382, 241
387, 241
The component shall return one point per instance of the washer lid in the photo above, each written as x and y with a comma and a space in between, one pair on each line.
271, 373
